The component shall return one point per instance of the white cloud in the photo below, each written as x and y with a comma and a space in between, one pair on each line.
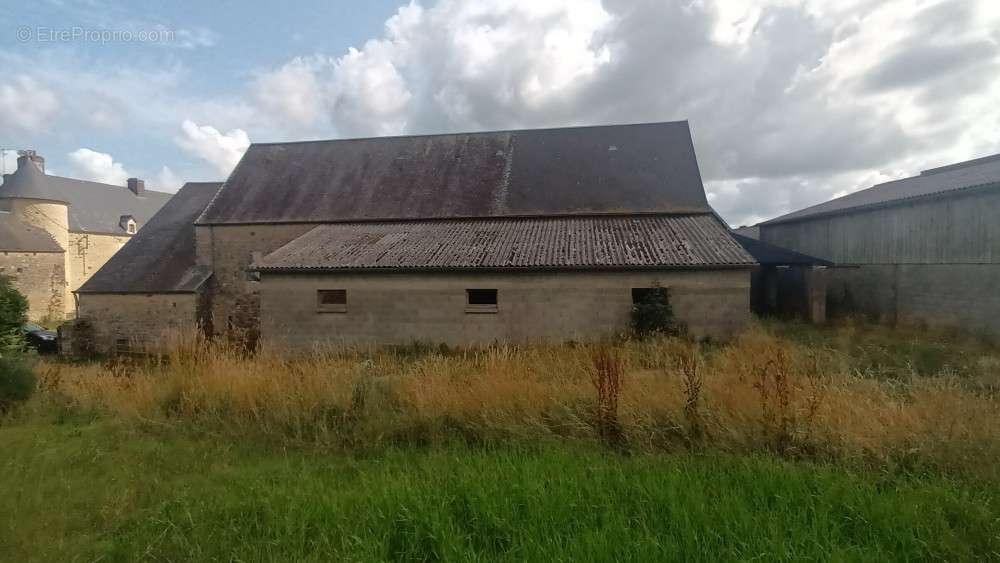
790, 101
457, 64
98, 167
167, 181
221, 150
26, 104
295, 93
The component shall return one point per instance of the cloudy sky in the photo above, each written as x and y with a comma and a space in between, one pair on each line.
791, 102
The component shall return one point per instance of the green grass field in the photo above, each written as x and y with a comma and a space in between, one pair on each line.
93, 490
850, 442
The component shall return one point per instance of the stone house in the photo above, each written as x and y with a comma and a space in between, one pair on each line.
56, 232
467, 238
923, 249
152, 285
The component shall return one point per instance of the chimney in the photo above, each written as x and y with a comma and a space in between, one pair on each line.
24, 157
136, 185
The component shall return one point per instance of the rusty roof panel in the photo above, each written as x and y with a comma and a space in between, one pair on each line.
598, 242
645, 168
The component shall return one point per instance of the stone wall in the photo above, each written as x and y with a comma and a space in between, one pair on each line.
394, 308
39, 276
959, 295
87, 252
229, 249
52, 218
142, 320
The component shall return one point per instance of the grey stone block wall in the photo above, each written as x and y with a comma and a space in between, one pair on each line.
228, 250
41, 278
966, 296
142, 319
390, 308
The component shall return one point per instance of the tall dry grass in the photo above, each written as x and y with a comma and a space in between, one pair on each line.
759, 392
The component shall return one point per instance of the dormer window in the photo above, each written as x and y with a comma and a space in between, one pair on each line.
128, 223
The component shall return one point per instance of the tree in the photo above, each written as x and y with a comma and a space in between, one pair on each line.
13, 306
652, 313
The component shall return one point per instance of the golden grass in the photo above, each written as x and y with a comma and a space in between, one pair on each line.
759, 392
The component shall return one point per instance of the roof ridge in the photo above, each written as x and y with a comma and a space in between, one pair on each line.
874, 204
628, 214
113, 186
460, 133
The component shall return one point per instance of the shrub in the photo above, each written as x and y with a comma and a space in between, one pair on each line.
13, 315
17, 382
652, 314
13, 307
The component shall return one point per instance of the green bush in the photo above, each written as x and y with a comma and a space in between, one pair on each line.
17, 382
652, 313
13, 307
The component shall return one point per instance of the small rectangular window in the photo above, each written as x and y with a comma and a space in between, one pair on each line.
480, 301
331, 300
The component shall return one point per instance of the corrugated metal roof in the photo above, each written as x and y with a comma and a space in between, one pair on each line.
645, 168
93, 207
772, 255
602, 242
161, 257
16, 236
981, 172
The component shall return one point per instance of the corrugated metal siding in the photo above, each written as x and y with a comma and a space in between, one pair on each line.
962, 229
578, 242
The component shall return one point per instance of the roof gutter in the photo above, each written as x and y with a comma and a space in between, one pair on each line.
497, 270
208, 223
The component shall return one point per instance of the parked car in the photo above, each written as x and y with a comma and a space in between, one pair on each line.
40, 338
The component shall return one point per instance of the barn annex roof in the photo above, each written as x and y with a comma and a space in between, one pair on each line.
161, 257
615, 169
767, 254
596, 242
93, 207
972, 174
16, 236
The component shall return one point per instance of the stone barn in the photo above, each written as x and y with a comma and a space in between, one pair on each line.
153, 284
86, 222
923, 249
473, 238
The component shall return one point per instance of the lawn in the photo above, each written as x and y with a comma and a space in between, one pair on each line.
794, 443
92, 490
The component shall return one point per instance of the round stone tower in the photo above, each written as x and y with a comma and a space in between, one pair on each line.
27, 196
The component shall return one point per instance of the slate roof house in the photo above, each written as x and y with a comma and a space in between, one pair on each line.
153, 283
56, 232
923, 249
462, 239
